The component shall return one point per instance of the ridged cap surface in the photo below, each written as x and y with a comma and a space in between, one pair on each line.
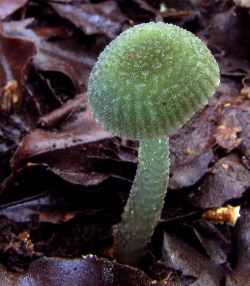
150, 80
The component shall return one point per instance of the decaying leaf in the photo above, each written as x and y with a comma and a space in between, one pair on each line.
82, 129
179, 254
188, 173
9, 7
15, 97
104, 17
70, 179
215, 243
240, 274
243, 3
66, 56
88, 270
227, 180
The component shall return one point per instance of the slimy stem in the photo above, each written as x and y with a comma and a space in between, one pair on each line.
145, 202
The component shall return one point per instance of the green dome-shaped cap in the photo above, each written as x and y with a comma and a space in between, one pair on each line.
150, 80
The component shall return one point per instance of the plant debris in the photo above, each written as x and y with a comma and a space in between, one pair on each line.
64, 180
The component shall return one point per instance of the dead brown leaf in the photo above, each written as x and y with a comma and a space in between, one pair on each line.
81, 130
179, 254
15, 97
219, 32
242, 3
188, 173
88, 270
103, 18
65, 56
240, 275
8, 7
227, 180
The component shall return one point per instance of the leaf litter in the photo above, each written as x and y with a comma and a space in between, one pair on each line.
65, 180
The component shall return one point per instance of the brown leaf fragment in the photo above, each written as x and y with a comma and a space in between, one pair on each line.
223, 232
239, 278
234, 67
69, 58
226, 134
51, 32
103, 18
55, 216
36, 193
82, 178
215, 244
81, 130
188, 173
193, 141
242, 3
88, 270
228, 179
9, 7
26, 209
15, 97
66, 56
179, 254
240, 275
228, 31
67, 156
244, 118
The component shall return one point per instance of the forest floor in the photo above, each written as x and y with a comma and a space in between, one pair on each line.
64, 180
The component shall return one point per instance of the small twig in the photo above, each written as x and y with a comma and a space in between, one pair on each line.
22, 201
149, 8
53, 118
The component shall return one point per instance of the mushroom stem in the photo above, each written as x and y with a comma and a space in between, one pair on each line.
145, 202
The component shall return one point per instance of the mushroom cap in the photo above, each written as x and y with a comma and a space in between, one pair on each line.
150, 80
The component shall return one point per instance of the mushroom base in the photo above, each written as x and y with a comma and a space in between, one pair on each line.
145, 202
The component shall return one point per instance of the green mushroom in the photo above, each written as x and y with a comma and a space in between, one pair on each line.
147, 83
